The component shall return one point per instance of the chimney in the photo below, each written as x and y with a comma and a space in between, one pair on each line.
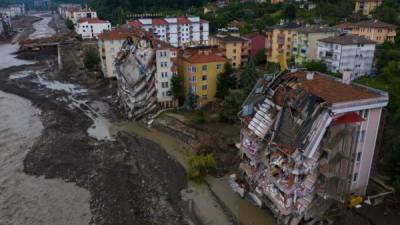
310, 75
346, 77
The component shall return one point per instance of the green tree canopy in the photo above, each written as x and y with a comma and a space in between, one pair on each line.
177, 88
91, 58
225, 81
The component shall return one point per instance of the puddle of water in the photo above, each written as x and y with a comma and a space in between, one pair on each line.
42, 29
7, 59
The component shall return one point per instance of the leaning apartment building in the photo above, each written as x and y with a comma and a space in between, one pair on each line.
308, 140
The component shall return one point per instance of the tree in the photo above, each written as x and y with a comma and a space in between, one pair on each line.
91, 58
232, 104
260, 57
290, 11
69, 24
248, 77
316, 65
225, 81
177, 88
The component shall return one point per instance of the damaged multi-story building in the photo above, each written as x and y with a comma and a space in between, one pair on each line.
307, 141
144, 68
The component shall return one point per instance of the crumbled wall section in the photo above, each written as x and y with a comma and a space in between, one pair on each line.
136, 69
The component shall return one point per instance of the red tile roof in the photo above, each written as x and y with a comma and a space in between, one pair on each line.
135, 23
202, 55
159, 22
91, 20
183, 20
116, 34
331, 90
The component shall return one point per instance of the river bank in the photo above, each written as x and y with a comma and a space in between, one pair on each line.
119, 164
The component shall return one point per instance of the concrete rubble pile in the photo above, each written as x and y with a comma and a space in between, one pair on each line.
136, 69
297, 157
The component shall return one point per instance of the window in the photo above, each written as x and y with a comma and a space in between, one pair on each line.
362, 136
204, 67
355, 176
204, 97
219, 66
164, 74
359, 156
204, 87
365, 113
204, 77
164, 84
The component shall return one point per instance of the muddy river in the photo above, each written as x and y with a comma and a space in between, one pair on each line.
30, 200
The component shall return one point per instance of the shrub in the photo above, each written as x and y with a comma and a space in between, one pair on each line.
69, 24
91, 58
198, 117
200, 166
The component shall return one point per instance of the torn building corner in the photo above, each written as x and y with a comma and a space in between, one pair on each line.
306, 142
136, 70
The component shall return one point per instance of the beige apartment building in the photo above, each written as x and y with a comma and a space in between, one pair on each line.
375, 30
367, 6
234, 47
280, 41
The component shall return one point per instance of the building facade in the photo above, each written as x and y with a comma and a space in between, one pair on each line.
78, 14
367, 6
279, 42
91, 28
347, 53
305, 42
373, 29
199, 69
65, 10
257, 42
234, 47
177, 31
166, 62
110, 43
307, 141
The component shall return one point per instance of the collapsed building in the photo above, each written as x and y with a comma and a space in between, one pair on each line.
144, 67
307, 141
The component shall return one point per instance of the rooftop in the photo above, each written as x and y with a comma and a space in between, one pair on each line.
347, 39
316, 29
230, 38
116, 34
91, 20
374, 24
331, 89
206, 55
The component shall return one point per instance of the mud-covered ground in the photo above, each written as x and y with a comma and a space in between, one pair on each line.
129, 180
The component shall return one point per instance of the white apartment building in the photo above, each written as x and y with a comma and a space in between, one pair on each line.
65, 10
110, 43
14, 10
166, 64
347, 53
91, 28
85, 13
177, 31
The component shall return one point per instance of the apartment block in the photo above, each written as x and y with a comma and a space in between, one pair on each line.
234, 47
347, 53
14, 10
257, 42
305, 42
367, 6
375, 30
83, 13
178, 31
65, 10
307, 141
279, 41
91, 28
199, 68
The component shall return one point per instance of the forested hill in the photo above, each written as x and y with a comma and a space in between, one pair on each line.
116, 10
